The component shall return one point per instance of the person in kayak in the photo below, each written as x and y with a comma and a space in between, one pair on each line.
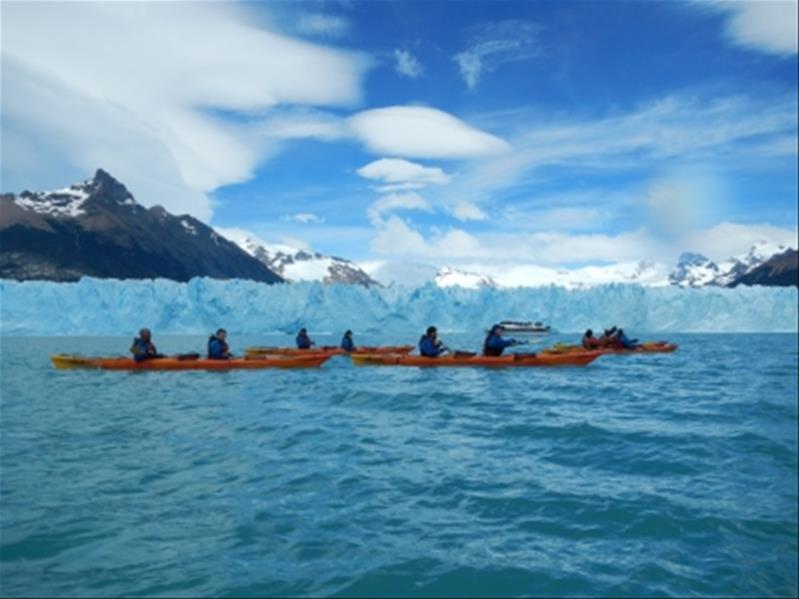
494, 344
609, 339
143, 348
303, 340
625, 341
347, 344
589, 341
217, 346
430, 346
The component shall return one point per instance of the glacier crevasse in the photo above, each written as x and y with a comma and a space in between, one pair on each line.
111, 307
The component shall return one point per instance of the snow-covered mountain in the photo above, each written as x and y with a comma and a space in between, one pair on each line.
516, 275
97, 228
452, 277
297, 264
695, 270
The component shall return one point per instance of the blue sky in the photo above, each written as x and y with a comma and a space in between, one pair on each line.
557, 133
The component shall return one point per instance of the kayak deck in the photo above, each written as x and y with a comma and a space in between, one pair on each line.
510, 361
68, 361
327, 349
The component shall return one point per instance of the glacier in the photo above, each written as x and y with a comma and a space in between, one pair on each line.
113, 307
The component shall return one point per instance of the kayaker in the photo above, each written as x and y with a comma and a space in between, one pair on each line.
217, 346
430, 346
347, 344
143, 348
625, 341
303, 340
589, 341
608, 338
494, 344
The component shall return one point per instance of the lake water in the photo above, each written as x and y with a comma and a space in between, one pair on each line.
671, 474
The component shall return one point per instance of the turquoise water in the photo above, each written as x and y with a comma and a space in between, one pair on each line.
636, 476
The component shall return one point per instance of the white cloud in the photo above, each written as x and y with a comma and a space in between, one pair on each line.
303, 123
496, 43
726, 239
766, 25
464, 211
399, 171
324, 25
421, 132
407, 64
137, 107
304, 218
396, 201
397, 239
673, 130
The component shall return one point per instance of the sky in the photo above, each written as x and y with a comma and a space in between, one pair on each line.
482, 134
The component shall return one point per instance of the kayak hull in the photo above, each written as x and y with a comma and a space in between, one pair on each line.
326, 349
65, 362
660, 347
509, 361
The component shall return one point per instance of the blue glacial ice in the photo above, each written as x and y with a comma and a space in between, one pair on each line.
109, 306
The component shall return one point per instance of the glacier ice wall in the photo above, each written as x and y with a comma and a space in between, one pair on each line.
108, 306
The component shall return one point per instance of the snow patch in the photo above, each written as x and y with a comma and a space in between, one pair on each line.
189, 227
66, 202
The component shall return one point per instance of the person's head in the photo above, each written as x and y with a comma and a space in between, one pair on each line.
432, 331
303, 332
496, 329
348, 333
589, 333
221, 334
620, 332
606, 333
144, 334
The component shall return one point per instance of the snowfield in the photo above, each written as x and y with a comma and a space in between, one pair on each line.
109, 306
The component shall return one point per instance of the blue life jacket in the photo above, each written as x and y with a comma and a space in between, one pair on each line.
303, 342
494, 345
627, 343
142, 350
217, 349
347, 344
428, 348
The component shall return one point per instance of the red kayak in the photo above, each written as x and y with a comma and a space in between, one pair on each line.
66, 361
509, 361
651, 347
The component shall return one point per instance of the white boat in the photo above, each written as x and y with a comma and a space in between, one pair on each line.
524, 327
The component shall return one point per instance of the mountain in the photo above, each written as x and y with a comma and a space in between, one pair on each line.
96, 228
451, 277
781, 270
296, 264
695, 270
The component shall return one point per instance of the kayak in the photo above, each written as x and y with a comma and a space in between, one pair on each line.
69, 361
650, 347
331, 350
510, 360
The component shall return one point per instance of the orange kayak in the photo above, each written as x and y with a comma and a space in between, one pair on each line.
67, 361
651, 347
331, 350
511, 360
